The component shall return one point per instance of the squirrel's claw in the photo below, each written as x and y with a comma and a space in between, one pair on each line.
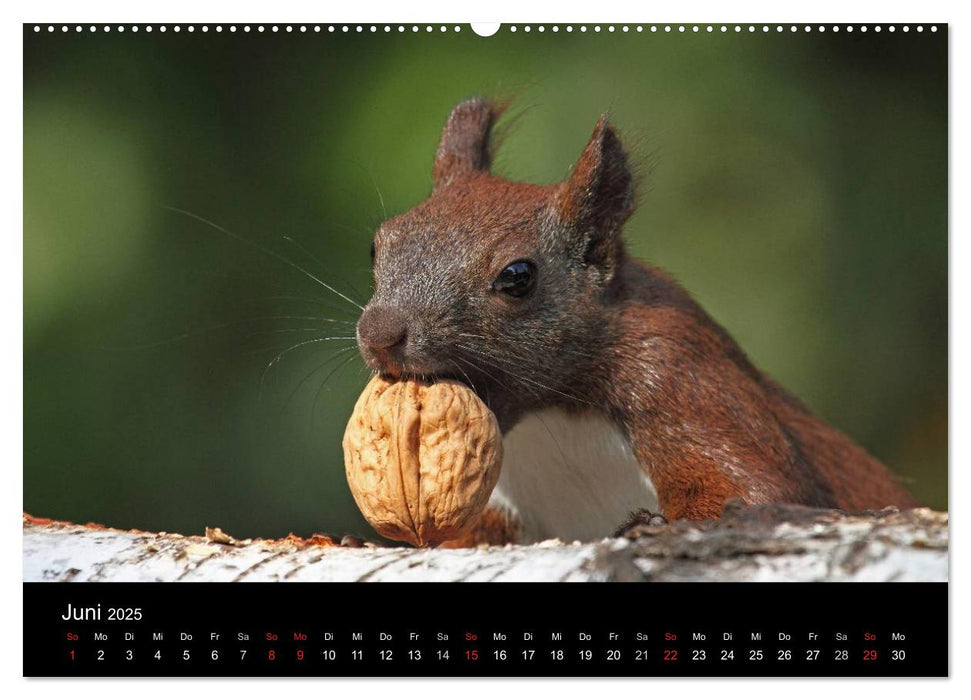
638, 524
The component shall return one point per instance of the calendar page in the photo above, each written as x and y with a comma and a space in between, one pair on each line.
388, 349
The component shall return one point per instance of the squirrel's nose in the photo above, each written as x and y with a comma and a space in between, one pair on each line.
381, 329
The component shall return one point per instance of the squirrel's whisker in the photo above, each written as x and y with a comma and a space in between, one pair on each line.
267, 251
271, 331
290, 349
314, 371
492, 376
554, 348
220, 326
307, 300
531, 381
313, 408
293, 241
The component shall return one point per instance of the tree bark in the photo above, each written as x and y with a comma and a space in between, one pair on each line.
748, 543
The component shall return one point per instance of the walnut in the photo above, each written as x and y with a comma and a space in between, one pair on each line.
421, 459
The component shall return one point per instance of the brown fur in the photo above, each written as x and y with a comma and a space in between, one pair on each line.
709, 426
599, 330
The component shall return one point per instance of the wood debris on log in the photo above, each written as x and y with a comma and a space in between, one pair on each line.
748, 543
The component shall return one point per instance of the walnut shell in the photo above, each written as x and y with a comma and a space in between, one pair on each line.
421, 459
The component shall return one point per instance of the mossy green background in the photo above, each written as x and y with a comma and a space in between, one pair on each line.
795, 183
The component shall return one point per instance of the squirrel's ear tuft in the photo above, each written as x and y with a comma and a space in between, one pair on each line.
464, 148
599, 194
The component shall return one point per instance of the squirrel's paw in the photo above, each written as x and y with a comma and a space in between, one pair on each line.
638, 523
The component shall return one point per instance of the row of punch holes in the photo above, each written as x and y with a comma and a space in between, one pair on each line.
414, 28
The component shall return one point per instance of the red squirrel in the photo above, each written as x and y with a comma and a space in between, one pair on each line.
615, 392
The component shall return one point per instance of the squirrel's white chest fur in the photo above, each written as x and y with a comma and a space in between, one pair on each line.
571, 477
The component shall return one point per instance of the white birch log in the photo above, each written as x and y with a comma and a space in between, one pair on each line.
756, 543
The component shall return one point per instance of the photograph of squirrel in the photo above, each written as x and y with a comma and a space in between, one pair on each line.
620, 401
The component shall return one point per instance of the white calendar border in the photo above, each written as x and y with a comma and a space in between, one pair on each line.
438, 11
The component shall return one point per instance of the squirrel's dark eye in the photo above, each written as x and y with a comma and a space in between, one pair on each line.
517, 279
372, 251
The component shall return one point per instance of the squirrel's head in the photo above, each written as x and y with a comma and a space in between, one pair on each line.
502, 285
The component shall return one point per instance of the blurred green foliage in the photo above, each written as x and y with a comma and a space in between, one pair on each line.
796, 184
